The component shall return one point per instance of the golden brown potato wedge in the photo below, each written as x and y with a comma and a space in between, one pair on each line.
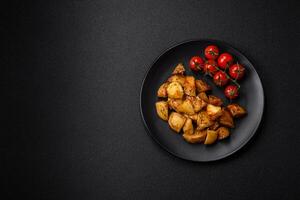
215, 126
162, 91
236, 110
186, 107
189, 86
226, 118
223, 133
174, 103
175, 90
188, 127
179, 69
213, 111
198, 137
193, 117
211, 137
197, 102
214, 100
177, 78
203, 96
162, 110
202, 86
203, 120
176, 121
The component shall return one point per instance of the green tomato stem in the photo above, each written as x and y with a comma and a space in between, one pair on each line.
224, 71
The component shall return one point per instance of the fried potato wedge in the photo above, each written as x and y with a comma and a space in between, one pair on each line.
236, 110
189, 86
186, 107
162, 90
177, 78
223, 133
162, 110
211, 137
203, 120
203, 96
226, 119
176, 121
198, 137
175, 90
193, 117
214, 100
202, 86
174, 103
179, 69
213, 111
197, 102
188, 127
215, 126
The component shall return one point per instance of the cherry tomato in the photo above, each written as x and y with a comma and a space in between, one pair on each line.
225, 60
210, 67
220, 78
237, 71
211, 52
231, 91
196, 63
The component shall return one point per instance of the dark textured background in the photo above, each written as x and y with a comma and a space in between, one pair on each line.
72, 72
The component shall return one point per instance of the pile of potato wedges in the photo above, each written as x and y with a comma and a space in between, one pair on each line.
186, 104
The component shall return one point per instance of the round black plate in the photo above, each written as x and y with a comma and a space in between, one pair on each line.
251, 97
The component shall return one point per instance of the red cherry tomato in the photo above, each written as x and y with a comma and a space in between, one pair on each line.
225, 60
231, 91
210, 67
220, 78
196, 63
211, 52
237, 71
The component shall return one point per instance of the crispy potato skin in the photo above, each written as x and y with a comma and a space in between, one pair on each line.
189, 86
176, 121
236, 110
202, 86
211, 137
179, 69
198, 137
203, 120
203, 96
215, 126
175, 90
177, 78
213, 111
162, 90
174, 103
216, 101
223, 133
226, 119
193, 117
162, 110
197, 102
186, 107
188, 127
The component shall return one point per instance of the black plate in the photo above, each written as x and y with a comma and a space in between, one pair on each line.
251, 97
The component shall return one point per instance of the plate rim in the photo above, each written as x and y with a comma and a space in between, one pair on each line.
149, 133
